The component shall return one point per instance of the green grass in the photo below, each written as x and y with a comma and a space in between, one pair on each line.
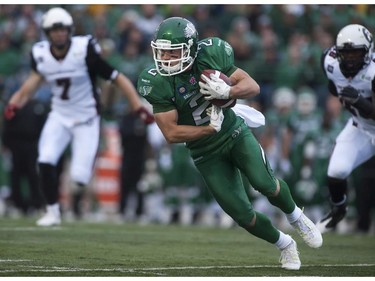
108, 249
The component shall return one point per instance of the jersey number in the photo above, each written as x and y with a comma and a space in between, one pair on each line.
65, 83
207, 43
197, 113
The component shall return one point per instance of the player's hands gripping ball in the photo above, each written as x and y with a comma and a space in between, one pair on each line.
215, 86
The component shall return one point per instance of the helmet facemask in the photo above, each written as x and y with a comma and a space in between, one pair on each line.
58, 19
354, 47
179, 37
57, 44
172, 66
352, 60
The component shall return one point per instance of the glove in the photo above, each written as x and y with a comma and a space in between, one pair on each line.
145, 115
10, 111
216, 117
214, 88
349, 95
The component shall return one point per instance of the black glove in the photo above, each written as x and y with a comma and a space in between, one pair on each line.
352, 97
349, 95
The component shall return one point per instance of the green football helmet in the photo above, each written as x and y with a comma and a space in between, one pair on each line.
175, 33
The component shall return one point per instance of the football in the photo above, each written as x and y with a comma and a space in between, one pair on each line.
219, 102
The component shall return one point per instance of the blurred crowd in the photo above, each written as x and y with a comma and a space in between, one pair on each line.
280, 46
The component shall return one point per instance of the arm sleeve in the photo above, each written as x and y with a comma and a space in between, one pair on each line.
33, 62
96, 64
332, 88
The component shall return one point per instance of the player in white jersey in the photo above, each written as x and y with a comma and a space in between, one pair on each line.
70, 65
350, 69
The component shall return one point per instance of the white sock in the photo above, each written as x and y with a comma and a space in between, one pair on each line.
284, 241
293, 216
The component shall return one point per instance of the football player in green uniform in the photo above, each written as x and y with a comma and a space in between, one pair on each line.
220, 143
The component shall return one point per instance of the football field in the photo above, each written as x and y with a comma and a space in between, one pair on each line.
124, 250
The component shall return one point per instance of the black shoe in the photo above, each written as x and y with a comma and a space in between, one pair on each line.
77, 204
330, 221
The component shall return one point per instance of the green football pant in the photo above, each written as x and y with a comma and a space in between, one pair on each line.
221, 172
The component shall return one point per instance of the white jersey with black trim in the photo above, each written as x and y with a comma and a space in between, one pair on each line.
74, 96
362, 82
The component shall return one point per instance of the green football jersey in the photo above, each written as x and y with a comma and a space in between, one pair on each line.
181, 92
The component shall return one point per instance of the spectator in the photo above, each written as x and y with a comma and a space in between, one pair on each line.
20, 135
134, 145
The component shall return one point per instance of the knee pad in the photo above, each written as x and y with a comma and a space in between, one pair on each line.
81, 176
340, 170
267, 188
244, 220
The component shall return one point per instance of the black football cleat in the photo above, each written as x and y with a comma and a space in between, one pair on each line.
330, 221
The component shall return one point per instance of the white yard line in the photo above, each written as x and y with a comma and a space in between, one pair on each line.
31, 228
140, 270
9, 260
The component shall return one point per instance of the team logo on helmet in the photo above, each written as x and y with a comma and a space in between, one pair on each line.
367, 35
189, 30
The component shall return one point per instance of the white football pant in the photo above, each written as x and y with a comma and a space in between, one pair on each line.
84, 139
353, 147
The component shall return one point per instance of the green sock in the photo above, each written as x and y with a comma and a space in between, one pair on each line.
284, 199
264, 229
